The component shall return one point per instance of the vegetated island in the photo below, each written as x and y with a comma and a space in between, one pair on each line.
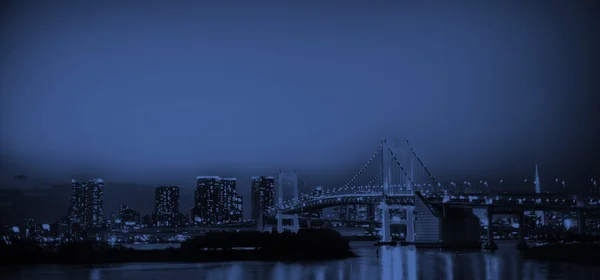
306, 245
567, 248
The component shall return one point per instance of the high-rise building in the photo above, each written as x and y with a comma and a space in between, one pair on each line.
230, 202
166, 206
262, 195
216, 201
236, 212
86, 210
206, 199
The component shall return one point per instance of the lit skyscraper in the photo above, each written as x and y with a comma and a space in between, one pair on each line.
166, 206
206, 199
216, 201
86, 209
230, 203
236, 212
262, 195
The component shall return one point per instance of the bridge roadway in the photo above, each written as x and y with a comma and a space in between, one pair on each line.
186, 230
502, 200
201, 230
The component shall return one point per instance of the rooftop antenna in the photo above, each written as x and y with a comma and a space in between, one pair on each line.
538, 188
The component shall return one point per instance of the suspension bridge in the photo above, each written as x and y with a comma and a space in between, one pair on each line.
398, 179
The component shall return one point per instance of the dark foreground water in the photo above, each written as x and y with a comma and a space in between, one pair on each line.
393, 263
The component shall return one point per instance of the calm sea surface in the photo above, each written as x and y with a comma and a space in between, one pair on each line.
393, 263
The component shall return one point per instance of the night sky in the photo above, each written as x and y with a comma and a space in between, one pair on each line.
147, 94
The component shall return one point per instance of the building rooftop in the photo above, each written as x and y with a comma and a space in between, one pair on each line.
96, 180
259, 177
208, 177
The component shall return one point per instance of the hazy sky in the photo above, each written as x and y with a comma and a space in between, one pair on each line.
144, 94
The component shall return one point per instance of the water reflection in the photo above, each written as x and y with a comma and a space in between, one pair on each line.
235, 272
320, 272
393, 263
449, 260
278, 272
95, 274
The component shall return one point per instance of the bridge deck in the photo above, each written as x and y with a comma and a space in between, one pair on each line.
525, 200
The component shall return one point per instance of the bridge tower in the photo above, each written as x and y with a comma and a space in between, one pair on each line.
386, 223
386, 235
538, 189
386, 170
409, 185
286, 221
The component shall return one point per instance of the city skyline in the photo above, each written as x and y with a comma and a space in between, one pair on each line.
428, 213
265, 184
146, 207
144, 100
86, 208
299, 139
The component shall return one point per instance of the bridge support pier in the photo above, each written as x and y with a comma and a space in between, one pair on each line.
410, 224
281, 226
521, 244
386, 235
490, 245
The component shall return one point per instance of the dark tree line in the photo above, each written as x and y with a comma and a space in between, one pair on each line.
312, 244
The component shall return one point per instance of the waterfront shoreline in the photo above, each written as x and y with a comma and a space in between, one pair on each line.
307, 245
168, 256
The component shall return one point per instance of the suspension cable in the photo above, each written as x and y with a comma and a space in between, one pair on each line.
435, 181
305, 184
401, 167
360, 172
375, 178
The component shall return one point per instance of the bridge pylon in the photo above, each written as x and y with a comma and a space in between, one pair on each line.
388, 159
386, 234
286, 178
386, 170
